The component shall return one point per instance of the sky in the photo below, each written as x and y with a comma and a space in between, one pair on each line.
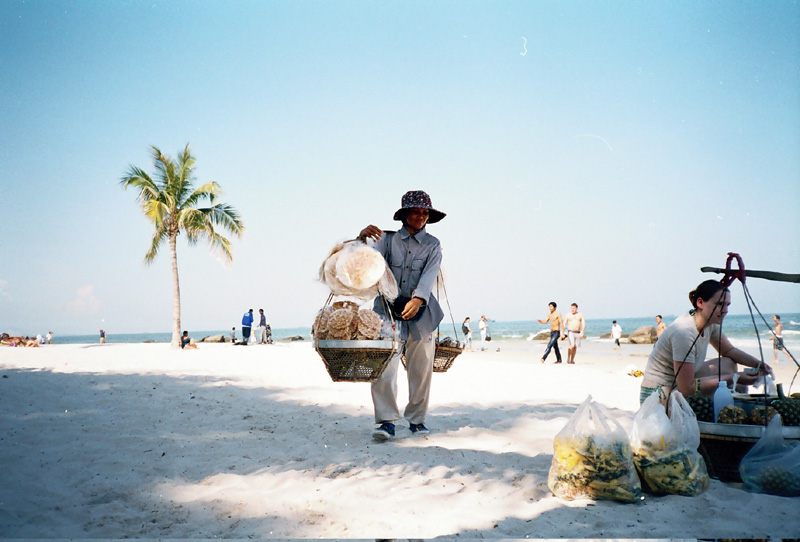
590, 152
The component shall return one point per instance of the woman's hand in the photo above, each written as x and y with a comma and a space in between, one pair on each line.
412, 308
372, 232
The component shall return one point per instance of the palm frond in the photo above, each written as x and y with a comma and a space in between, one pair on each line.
227, 217
156, 211
159, 236
138, 179
207, 191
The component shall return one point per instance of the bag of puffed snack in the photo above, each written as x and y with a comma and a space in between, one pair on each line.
665, 448
592, 458
773, 464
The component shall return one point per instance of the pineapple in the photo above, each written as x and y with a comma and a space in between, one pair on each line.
788, 408
761, 415
777, 480
702, 405
732, 414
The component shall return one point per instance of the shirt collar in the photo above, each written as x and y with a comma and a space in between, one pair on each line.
419, 237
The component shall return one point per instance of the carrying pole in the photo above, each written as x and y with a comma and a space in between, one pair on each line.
768, 275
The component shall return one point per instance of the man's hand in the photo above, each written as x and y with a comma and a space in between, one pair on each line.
412, 308
372, 232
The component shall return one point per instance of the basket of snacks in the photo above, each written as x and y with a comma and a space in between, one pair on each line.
355, 344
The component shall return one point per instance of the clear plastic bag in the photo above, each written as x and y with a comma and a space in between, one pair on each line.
358, 270
665, 447
773, 464
592, 458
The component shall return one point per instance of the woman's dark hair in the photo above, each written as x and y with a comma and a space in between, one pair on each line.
705, 291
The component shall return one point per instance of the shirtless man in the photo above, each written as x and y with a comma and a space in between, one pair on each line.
777, 338
556, 323
575, 325
660, 326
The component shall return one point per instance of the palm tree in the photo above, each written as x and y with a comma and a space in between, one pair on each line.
170, 201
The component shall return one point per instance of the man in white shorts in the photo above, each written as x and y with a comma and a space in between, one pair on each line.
576, 326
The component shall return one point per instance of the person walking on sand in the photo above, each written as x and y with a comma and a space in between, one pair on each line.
233, 335
777, 339
49, 337
467, 331
262, 327
556, 324
483, 328
575, 324
660, 326
616, 334
414, 256
247, 325
102, 336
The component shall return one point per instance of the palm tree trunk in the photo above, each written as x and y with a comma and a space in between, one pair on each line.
176, 293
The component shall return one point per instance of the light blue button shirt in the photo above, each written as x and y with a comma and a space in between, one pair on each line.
415, 261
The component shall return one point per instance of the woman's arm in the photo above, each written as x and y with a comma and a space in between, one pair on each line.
727, 350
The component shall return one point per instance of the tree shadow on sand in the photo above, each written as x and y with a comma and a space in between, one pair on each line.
123, 462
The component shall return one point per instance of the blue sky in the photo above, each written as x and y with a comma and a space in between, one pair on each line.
592, 152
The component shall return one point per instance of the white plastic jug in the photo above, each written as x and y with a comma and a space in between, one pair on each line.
722, 398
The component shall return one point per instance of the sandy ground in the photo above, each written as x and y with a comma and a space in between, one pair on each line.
142, 441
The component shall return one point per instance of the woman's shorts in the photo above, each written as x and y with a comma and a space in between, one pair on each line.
646, 392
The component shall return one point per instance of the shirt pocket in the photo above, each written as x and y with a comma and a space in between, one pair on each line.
416, 271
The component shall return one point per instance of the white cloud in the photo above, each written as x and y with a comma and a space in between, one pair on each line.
86, 303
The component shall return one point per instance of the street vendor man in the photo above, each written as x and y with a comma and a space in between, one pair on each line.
679, 355
414, 256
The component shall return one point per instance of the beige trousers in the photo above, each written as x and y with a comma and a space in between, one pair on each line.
419, 362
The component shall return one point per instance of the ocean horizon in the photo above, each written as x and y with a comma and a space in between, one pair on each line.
738, 327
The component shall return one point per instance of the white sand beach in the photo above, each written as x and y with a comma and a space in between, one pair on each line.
143, 441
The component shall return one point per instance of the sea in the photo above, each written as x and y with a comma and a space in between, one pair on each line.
739, 328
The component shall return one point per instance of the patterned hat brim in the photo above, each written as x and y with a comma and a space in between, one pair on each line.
434, 216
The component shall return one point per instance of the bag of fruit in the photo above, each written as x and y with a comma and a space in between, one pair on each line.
665, 447
592, 458
773, 464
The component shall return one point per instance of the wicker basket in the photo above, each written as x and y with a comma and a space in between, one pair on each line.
443, 358
355, 361
723, 446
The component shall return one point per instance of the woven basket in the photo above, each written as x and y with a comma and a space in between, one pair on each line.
723, 446
355, 361
443, 358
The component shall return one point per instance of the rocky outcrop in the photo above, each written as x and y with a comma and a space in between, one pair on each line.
295, 338
543, 335
643, 335
213, 339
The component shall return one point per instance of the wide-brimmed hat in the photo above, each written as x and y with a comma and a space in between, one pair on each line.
417, 199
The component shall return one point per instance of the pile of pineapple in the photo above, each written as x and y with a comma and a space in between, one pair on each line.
787, 407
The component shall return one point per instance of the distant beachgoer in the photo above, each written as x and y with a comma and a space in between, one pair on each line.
268, 334
49, 337
483, 328
414, 256
262, 327
777, 339
233, 335
187, 342
575, 326
556, 324
102, 336
247, 325
616, 334
40, 339
681, 350
467, 331
660, 326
